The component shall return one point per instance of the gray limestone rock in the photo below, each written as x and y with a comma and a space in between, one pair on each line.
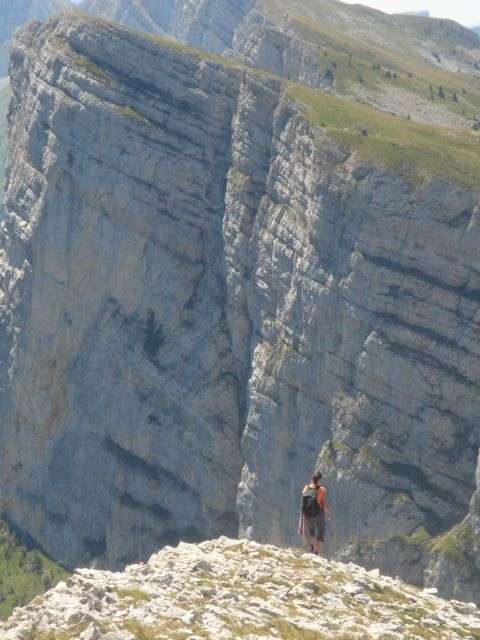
265, 46
203, 296
293, 595
15, 13
4, 100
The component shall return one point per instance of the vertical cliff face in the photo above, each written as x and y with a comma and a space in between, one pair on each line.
263, 45
123, 417
203, 295
4, 101
361, 353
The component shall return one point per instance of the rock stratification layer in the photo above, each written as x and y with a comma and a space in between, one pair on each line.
203, 294
232, 589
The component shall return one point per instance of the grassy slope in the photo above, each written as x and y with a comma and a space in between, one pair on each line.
357, 40
24, 573
415, 150
4, 98
457, 543
366, 49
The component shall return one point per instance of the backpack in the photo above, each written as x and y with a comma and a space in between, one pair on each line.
310, 507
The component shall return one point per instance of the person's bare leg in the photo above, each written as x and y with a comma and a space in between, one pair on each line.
319, 548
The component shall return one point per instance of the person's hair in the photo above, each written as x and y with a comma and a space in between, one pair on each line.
317, 476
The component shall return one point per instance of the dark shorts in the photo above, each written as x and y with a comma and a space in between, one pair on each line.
316, 527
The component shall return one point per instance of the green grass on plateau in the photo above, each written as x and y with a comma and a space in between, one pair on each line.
415, 150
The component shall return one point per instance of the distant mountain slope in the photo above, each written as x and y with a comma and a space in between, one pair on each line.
16, 13
421, 68
476, 28
416, 67
208, 24
130, 13
180, 18
441, 43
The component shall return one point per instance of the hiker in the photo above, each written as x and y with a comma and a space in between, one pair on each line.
314, 510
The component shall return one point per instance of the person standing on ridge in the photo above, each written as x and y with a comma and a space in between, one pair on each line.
314, 509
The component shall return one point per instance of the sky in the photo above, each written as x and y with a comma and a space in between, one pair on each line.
464, 11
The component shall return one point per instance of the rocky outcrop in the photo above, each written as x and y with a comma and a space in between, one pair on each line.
359, 354
15, 13
203, 296
263, 45
232, 589
4, 100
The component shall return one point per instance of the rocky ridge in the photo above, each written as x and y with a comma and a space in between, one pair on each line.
16, 13
233, 266
231, 589
394, 62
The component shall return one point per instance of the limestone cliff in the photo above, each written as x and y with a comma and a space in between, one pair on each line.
4, 100
211, 281
15, 13
229, 590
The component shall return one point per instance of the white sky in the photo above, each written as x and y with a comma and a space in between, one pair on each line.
465, 11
